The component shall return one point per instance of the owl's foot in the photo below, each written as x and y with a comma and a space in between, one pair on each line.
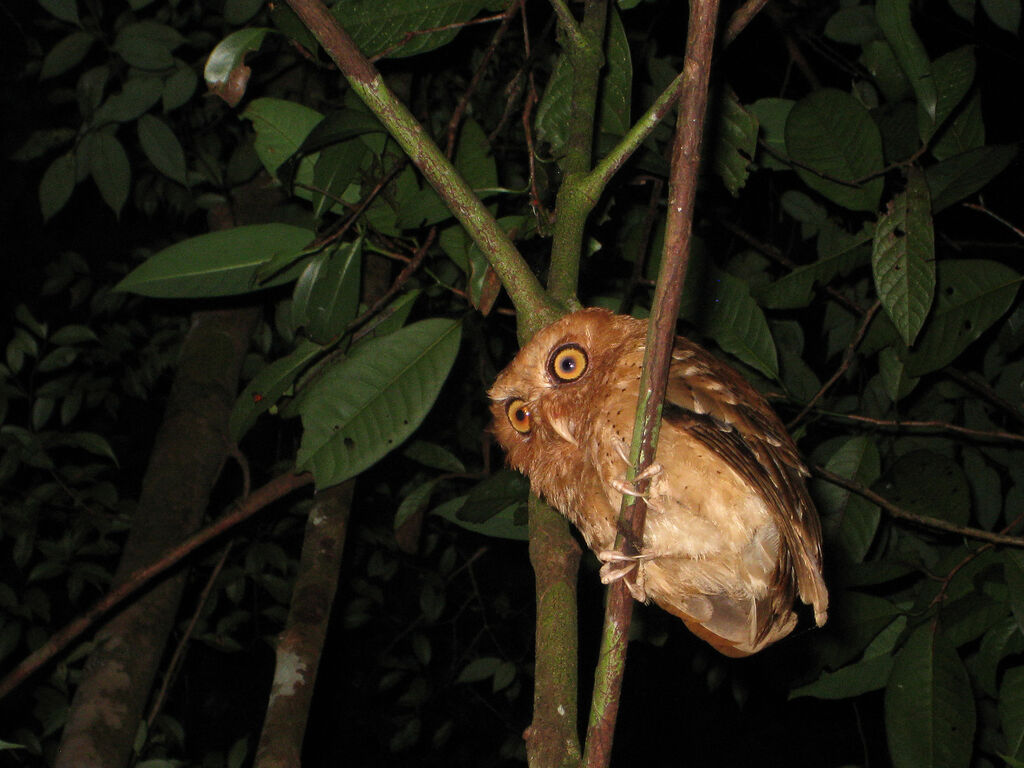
627, 487
617, 565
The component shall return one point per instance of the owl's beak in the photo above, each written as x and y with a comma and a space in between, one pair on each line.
562, 428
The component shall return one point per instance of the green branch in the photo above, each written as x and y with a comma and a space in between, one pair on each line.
523, 287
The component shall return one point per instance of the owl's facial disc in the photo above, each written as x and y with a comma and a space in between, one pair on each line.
568, 362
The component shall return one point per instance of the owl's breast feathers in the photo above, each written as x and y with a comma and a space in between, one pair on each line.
731, 536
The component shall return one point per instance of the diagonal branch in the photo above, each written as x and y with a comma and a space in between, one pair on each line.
523, 287
654, 378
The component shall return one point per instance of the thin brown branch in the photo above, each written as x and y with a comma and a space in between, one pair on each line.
985, 391
686, 153
143, 577
982, 209
942, 426
843, 366
412, 35
460, 109
178, 658
740, 18
923, 521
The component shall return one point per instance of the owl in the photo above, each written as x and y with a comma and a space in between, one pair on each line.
731, 538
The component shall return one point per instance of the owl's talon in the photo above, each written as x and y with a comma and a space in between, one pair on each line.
618, 565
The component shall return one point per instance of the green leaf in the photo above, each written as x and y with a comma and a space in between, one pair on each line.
134, 99
970, 296
725, 311
954, 75
367, 404
494, 493
376, 26
434, 456
962, 175
771, 115
148, 44
162, 148
281, 127
866, 675
67, 54
930, 484
217, 264
178, 88
853, 25
843, 254
326, 296
850, 521
267, 387
893, 18
616, 95
880, 61
929, 705
1004, 14
735, 142
91, 442
509, 523
57, 184
966, 132
903, 258
336, 168
65, 10
479, 669
230, 53
415, 502
1011, 711
73, 334
238, 12
837, 147
110, 169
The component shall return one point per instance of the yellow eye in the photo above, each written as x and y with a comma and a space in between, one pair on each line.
568, 362
518, 413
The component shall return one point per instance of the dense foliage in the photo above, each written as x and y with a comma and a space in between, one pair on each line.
858, 258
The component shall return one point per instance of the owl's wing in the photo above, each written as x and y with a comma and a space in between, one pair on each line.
715, 405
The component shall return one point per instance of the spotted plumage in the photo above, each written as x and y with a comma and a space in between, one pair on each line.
731, 538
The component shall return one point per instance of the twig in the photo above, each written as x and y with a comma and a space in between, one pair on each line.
985, 391
413, 34
981, 208
980, 434
654, 377
275, 489
921, 520
740, 18
843, 366
179, 651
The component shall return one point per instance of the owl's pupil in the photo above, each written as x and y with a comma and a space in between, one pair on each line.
520, 414
568, 365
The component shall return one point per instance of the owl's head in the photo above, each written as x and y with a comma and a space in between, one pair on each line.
541, 401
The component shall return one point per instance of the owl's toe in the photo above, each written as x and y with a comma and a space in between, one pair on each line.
617, 565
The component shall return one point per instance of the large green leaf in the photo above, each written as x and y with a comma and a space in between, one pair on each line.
850, 521
367, 404
267, 386
219, 263
376, 27
866, 675
837, 148
735, 142
971, 295
929, 484
326, 296
110, 169
721, 306
962, 175
281, 127
1011, 711
163, 148
893, 18
929, 704
903, 258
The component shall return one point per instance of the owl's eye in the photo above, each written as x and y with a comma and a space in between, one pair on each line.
518, 413
568, 362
